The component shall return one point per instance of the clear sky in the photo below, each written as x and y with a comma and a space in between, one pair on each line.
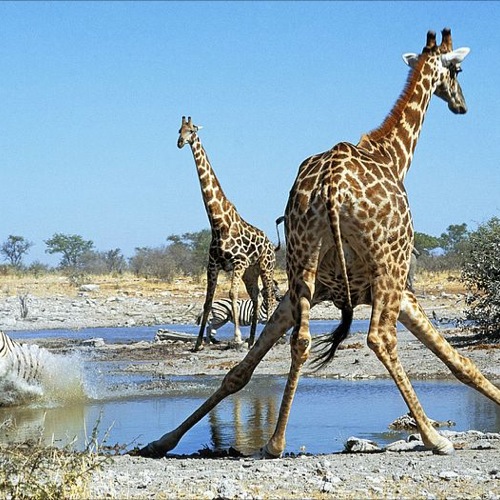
92, 95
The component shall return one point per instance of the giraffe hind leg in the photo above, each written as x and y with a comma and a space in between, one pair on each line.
301, 292
382, 339
236, 279
414, 318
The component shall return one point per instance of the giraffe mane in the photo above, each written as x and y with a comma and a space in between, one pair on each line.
395, 114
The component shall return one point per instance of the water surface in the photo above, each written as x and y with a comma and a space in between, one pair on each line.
131, 409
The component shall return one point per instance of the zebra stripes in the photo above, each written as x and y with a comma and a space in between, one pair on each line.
221, 313
19, 360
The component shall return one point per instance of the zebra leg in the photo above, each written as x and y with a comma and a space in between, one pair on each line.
212, 332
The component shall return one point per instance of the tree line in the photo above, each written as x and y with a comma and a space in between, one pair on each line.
187, 254
475, 254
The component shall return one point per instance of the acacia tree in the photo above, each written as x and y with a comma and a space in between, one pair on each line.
72, 247
14, 250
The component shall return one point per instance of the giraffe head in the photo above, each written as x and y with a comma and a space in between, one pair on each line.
447, 63
187, 132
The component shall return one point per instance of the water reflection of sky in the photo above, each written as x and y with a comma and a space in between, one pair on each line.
147, 333
325, 413
135, 409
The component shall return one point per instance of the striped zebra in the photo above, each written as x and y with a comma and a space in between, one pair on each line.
222, 313
19, 361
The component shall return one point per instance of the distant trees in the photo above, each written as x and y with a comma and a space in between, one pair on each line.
14, 249
445, 252
103, 262
183, 255
424, 243
72, 248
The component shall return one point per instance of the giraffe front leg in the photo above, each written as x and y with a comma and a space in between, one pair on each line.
233, 295
234, 381
212, 275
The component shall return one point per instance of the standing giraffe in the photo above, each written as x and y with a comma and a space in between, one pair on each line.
236, 245
349, 239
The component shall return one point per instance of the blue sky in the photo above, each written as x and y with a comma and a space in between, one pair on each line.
93, 93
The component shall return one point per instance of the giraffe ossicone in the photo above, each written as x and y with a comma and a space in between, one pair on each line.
349, 239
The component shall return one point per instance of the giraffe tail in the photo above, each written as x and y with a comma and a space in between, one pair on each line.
337, 238
327, 345
279, 220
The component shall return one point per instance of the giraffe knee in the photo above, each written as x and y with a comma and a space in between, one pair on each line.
301, 347
237, 378
381, 346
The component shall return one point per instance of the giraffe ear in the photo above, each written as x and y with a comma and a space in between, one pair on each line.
410, 58
199, 127
455, 56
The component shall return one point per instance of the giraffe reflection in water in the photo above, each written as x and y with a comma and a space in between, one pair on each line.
252, 422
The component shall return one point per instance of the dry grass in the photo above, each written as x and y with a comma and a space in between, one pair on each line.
442, 281
33, 470
54, 284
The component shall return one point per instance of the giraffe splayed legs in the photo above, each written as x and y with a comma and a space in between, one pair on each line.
349, 240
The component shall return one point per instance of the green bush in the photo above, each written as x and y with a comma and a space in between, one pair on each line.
481, 275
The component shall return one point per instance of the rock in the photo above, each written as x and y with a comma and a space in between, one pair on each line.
407, 422
89, 288
357, 445
413, 445
95, 342
448, 475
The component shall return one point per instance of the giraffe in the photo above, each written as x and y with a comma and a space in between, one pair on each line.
349, 239
236, 245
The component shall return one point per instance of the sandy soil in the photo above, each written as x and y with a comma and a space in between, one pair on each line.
472, 472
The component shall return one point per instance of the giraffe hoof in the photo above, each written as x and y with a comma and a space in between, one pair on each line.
444, 447
149, 451
266, 454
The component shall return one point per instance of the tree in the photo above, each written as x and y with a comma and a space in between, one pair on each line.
110, 261
425, 242
14, 250
454, 236
72, 247
481, 275
199, 244
154, 263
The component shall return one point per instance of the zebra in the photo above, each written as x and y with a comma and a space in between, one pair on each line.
222, 312
19, 362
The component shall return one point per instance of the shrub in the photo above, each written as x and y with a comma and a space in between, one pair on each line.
481, 275
154, 263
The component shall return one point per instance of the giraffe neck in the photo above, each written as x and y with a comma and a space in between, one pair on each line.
397, 137
214, 198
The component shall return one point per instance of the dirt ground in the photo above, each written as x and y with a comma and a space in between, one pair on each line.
472, 472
